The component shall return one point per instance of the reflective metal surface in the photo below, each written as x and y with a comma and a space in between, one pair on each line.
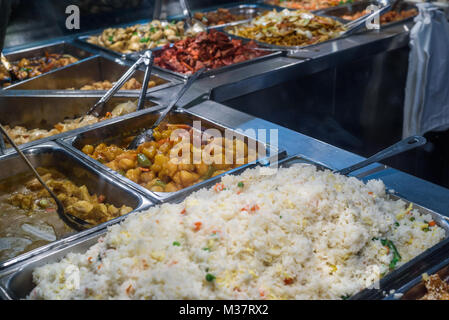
39, 51
45, 111
352, 8
79, 172
85, 72
133, 56
17, 282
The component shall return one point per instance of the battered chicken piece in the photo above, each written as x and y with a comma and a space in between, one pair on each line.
437, 289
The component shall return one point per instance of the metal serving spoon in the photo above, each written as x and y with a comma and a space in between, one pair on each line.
147, 58
192, 23
72, 221
147, 135
400, 147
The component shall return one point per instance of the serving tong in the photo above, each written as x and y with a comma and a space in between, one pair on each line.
147, 135
69, 219
147, 58
357, 24
397, 148
191, 22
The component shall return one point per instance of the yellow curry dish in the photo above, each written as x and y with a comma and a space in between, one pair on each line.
153, 167
28, 216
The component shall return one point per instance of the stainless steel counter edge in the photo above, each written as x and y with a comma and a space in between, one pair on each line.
407, 186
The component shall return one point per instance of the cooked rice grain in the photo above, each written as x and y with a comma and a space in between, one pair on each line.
299, 234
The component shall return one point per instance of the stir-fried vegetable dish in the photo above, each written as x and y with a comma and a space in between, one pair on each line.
141, 36
32, 67
289, 28
206, 50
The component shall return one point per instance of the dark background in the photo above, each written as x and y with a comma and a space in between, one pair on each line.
35, 20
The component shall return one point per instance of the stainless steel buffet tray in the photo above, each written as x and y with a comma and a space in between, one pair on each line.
91, 70
324, 13
397, 277
352, 8
248, 10
17, 282
212, 72
39, 51
84, 39
45, 111
279, 47
52, 155
267, 2
122, 128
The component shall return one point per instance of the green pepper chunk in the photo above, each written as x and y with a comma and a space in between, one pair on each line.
160, 183
144, 40
176, 243
143, 160
43, 203
240, 184
209, 173
210, 277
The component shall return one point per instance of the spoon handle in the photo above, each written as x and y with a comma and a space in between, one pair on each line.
69, 219
400, 147
186, 9
178, 96
148, 60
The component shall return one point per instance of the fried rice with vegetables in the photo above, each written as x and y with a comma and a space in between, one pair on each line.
297, 234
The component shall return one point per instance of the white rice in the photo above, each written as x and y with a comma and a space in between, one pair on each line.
311, 235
